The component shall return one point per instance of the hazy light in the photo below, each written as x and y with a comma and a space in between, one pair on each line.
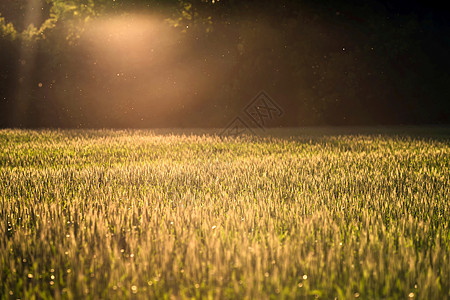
138, 60
32, 17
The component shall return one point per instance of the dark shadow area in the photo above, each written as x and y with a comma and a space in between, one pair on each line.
148, 64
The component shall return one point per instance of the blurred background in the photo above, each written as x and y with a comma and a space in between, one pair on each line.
198, 63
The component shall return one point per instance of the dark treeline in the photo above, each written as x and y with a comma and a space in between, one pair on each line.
89, 63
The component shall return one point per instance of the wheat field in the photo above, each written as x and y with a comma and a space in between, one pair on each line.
141, 214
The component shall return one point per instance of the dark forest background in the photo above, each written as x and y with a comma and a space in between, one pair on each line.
323, 62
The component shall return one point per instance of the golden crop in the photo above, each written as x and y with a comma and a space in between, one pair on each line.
153, 214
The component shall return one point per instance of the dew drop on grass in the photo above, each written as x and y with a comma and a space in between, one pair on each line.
411, 295
305, 277
30, 275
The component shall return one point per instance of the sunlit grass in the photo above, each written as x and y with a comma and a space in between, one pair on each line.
116, 214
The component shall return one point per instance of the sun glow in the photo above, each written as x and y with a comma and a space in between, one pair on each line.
140, 61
